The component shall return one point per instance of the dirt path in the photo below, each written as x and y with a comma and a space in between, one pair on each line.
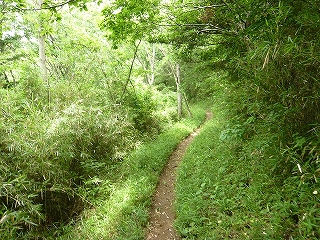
162, 213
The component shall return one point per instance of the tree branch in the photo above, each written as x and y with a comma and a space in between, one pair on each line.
211, 31
189, 25
47, 7
190, 5
130, 71
210, 6
207, 27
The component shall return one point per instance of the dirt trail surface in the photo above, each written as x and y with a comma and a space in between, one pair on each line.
162, 213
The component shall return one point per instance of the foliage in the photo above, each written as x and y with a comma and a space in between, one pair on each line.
54, 154
49, 156
130, 20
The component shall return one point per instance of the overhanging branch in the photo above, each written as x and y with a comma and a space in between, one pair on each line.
201, 27
46, 7
210, 6
188, 25
190, 5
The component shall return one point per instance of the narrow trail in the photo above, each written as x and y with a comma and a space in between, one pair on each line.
162, 214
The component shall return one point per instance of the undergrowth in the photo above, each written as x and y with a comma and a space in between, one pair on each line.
120, 205
54, 154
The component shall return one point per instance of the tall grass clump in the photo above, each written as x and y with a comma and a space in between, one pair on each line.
46, 159
55, 151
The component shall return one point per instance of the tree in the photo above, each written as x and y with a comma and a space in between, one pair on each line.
42, 49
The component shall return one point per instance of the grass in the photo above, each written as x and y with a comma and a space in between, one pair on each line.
228, 186
221, 195
121, 207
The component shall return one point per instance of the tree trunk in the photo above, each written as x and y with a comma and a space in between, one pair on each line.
42, 57
187, 105
152, 62
42, 53
179, 94
130, 71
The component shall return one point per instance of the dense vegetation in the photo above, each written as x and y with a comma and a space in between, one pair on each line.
257, 168
72, 124
62, 134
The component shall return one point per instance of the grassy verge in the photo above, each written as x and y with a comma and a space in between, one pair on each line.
213, 196
228, 186
121, 205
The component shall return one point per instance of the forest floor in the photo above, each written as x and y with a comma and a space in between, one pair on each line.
162, 213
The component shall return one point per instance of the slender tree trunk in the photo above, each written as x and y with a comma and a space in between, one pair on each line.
130, 71
152, 63
13, 78
42, 53
6, 77
42, 56
187, 105
179, 94
148, 78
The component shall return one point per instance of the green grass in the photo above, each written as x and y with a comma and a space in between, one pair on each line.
228, 186
121, 207
220, 194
